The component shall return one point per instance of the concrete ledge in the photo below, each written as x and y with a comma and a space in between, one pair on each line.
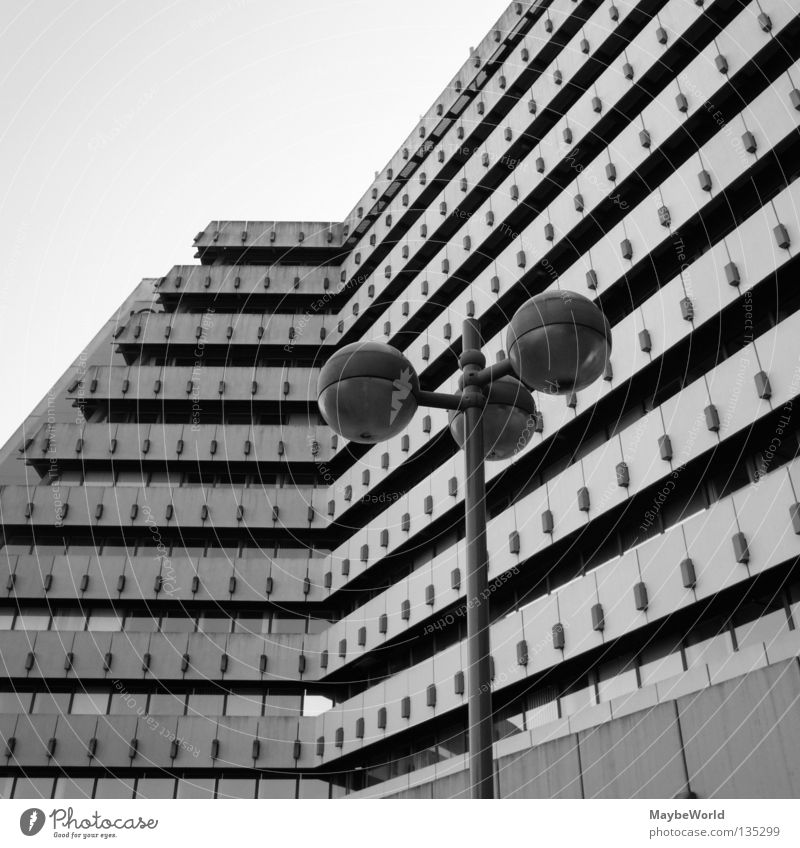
590, 716
551, 730
513, 744
737, 664
682, 684
785, 648
641, 699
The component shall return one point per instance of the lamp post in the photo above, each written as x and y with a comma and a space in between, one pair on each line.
558, 342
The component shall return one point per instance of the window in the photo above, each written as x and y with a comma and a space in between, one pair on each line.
245, 704
760, 620
314, 705
282, 705
615, 678
765, 629
48, 703
709, 642
510, 722
232, 787
316, 625
131, 478
167, 704
32, 619
577, 699
659, 660
19, 546
104, 621
288, 625
249, 623
277, 788
314, 789
127, 703
542, 707
176, 622
98, 478
82, 546
109, 787
196, 787
67, 787
155, 787
141, 624
213, 624
89, 703
15, 702
33, 787
69, 621
205, 705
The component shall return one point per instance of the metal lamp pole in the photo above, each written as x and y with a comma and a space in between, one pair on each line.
369, 391
479, 691
472, 402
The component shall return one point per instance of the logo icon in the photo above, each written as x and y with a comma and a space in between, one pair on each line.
31, 821
401, 389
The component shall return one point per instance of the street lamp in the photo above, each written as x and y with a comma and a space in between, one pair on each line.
558, 342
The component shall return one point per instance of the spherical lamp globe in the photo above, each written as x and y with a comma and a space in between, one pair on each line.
558, 342
507, 420
366, 392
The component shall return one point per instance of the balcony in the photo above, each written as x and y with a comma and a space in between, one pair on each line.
248, 287
270, 243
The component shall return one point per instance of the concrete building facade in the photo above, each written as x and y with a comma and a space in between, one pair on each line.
206, 593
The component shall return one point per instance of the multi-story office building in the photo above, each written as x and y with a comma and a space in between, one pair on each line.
205, 591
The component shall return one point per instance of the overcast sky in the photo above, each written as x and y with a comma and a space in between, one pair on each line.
127, 126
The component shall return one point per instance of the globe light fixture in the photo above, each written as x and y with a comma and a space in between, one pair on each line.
367, 392
507, 420
558, 342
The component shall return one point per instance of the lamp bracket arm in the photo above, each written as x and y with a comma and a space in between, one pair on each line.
438, 400
492, 372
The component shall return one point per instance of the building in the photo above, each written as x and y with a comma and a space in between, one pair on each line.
204, 591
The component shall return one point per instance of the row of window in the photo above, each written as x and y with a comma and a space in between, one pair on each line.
115, 412
105, 621
757, 621
627, 533
157, 787
105, 702
120, 413
142, 478
181, 546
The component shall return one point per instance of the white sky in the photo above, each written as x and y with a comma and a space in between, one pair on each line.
125, 127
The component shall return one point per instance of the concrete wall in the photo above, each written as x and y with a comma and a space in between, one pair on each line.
738, 739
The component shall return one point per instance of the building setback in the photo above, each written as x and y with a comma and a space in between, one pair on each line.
205, 593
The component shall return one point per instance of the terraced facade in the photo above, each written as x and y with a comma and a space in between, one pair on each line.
206, 593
